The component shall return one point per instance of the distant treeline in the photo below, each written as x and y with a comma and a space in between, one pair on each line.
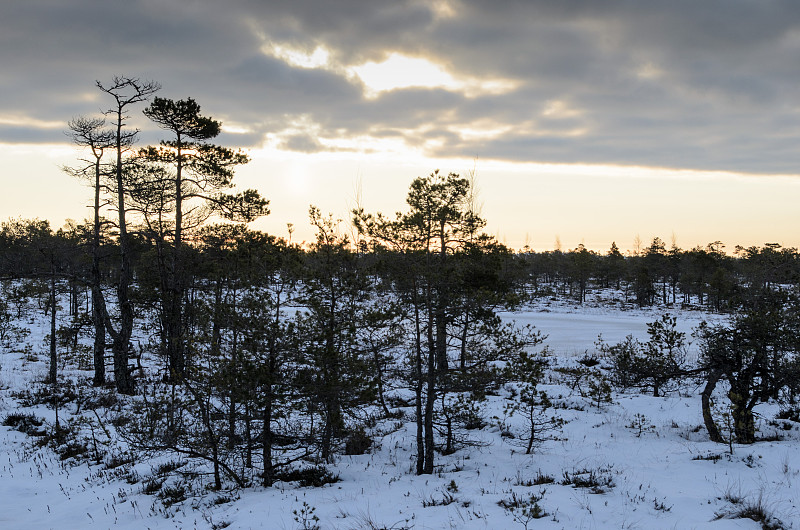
701, 277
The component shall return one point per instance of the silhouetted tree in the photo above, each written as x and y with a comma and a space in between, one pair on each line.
444, 270
335, 291
92, 134
185, 182
125, 91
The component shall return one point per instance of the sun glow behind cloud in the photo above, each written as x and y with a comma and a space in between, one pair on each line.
234, 128
318, 57
399, 71
396, 71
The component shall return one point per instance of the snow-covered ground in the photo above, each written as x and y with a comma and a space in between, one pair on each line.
649, 458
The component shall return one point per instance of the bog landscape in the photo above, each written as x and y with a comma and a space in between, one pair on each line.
162, 365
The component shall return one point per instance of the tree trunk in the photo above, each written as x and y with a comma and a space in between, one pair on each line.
173, 323
248, 436
175, 281
266, 456
742, 415
441, 340
98, 303
233, 374
430, 398
53, 356
464, 335
120, 344
713, 378
332, 400
99, 346
429, 401
532, 434
379, 381
418, 388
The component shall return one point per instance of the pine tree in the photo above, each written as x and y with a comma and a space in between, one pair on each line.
445, 273
183, 182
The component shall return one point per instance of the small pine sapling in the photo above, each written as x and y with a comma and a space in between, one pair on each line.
640, 425
531, 404
306, 518
599, 390
653, 364
524, 510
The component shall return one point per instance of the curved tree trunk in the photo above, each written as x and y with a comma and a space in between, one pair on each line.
705, 398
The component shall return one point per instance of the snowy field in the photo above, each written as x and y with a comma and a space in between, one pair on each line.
571, 330
638, 462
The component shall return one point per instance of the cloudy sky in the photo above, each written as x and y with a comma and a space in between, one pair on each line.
583, 120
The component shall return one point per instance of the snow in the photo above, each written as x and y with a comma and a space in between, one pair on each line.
572, 329
660, 469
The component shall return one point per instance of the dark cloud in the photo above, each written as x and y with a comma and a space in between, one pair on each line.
707, 85
304, 143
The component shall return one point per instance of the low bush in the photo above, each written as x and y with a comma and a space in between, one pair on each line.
25, 422
309, 476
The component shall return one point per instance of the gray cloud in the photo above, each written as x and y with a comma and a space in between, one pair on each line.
706, 85
303, 143
25, 134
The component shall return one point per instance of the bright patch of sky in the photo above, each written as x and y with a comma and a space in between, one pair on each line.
235, 128
28, 121
399, 71
395, 71
319, 57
